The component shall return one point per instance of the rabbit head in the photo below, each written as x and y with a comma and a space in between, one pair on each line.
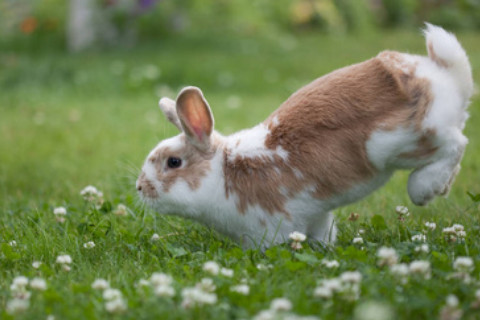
174, 170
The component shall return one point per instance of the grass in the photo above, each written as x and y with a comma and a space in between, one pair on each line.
68, 121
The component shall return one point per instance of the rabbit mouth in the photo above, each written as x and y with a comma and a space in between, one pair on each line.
145, 188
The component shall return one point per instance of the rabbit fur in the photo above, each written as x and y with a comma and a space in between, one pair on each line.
331, 143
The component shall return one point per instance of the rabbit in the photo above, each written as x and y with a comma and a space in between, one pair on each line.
331, 143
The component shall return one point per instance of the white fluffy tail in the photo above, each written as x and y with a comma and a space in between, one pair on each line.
445, 50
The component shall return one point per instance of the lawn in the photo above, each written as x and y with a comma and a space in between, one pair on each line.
68, 121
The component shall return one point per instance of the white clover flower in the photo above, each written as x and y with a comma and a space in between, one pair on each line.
121, 210
64, 259
323, 292
351, 277
463, 264
60, 211
400, 271
350, 285
164, 291
111, 294
241, 289
449, 230
19, 288
357, 240
100, 284
91, 194
330, 264
89, 245
387, 256
12, 243
89, 190
281, 304
19, 282
422, 248
297, 236
143, 283
116, 305
373, 310
420, 267
161, 279
332, 284
461, 234
36, 264
296, 245
226, 272
430, 225
211, 267
455, 232
458, 227
452, 300
361, 231
38, 284
419, 238
402, 211
155, 237
206, 285
347, 285
261, 266
66, 267
16, 306
196, 296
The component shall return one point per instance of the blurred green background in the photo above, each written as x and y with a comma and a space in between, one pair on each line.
80, 79
37, 24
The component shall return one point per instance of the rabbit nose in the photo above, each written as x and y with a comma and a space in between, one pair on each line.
138, 185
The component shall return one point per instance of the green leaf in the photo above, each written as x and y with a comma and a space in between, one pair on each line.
307, 258
177, 251
7, 250
474, 197
378, 222
51, 296
106, 207
354, 254
295, 265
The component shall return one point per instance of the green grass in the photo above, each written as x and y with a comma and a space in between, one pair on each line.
68, 121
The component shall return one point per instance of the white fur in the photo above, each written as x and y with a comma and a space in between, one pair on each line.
251, 144
447, 48
384, 146
451, 86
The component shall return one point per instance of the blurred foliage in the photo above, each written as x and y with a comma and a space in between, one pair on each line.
35, 23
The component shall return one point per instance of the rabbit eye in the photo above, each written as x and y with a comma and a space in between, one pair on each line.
174, 162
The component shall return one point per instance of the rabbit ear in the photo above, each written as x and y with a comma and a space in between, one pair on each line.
168, 108
195, 116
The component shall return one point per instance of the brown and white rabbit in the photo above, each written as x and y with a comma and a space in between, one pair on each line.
332, 142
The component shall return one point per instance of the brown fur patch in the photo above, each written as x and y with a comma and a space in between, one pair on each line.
257, 181
324, 128
195, 165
